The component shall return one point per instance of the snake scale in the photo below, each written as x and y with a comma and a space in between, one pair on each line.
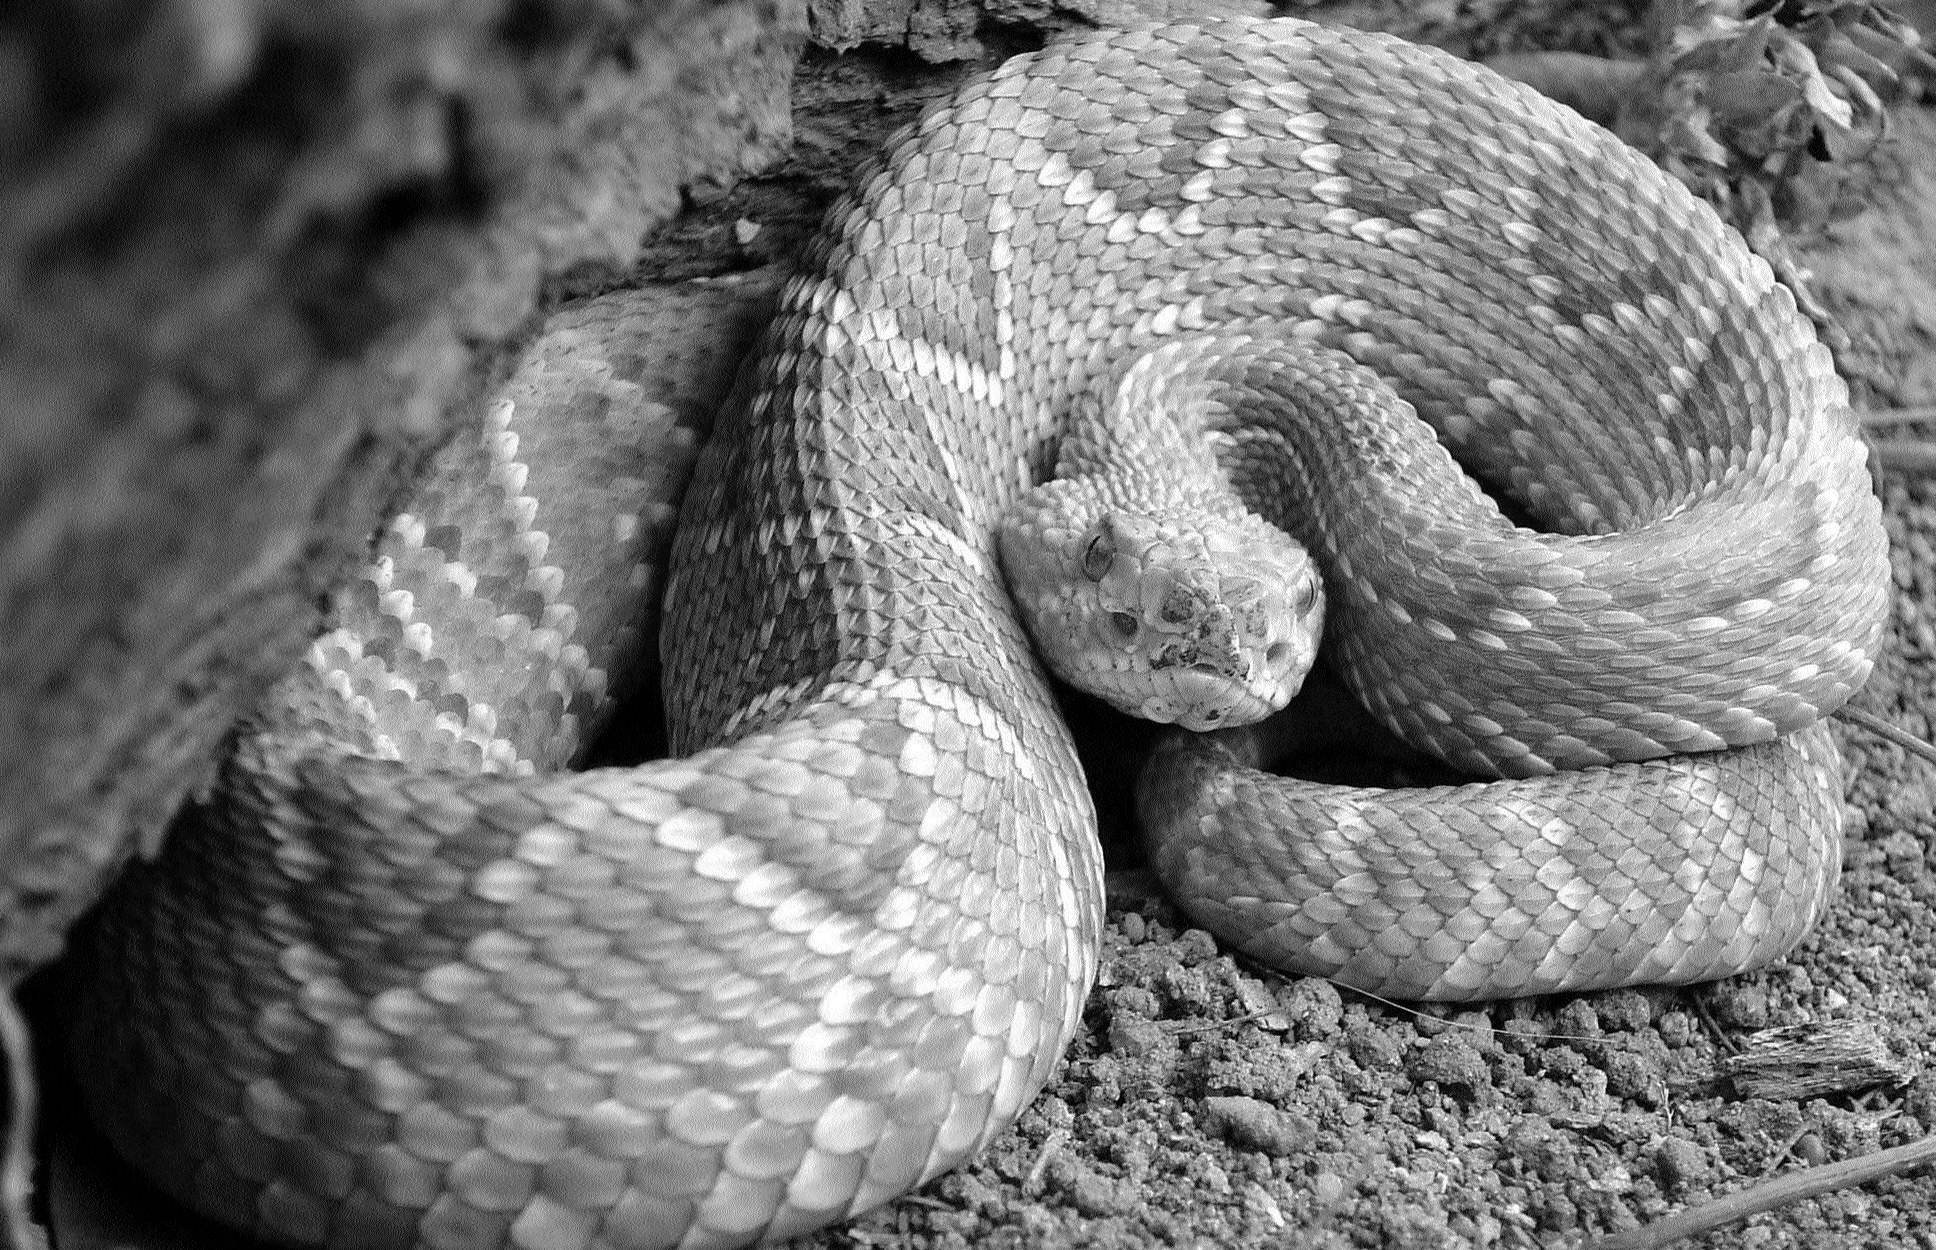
408, 984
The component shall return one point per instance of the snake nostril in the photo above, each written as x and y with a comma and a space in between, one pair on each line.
1125, 625
1277, 653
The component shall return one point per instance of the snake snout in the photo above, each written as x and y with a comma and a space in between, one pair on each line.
1202, 697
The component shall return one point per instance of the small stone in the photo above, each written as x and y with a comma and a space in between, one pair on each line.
1259, 1202
1370, 1047
1194, 946
1450, 1060
1415, 1228
1543, 1152
1547, 1098
1096, 1196
1103, 1082
1186, 989
1744, 1006
1624, 1011
1578, 1019
1636, 1076
1135, 1037
1562, 1061
1681, 1164
1314, 1004
1904, 853
1253, 1124
1676, 1028
1553, 1210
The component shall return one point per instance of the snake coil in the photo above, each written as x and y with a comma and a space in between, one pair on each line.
407, 985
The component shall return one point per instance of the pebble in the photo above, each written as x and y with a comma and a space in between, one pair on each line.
1253, 1124
1542, 1150
1631, 1074
1134, 1037
1450, 1060
1744, 1006
1681, 1164
1625, 1011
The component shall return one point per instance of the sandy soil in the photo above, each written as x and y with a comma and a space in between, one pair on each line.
1210, 1102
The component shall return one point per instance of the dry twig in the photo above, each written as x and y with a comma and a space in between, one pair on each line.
1771, 1194
1888, 731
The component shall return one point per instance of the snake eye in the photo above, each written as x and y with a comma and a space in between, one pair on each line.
1307, 596
1125, 625
1097, 557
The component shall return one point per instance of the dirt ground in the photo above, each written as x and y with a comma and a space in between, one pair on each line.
1208, 1102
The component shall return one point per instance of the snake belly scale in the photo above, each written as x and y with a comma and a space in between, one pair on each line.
837, 946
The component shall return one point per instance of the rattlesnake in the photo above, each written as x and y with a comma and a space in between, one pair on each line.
837, 945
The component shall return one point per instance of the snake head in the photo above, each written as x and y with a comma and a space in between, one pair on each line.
1187, 617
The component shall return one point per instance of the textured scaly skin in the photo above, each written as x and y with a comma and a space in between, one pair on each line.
836, 948
1662, 871
1509, 652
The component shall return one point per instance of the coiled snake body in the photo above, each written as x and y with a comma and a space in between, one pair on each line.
838, 946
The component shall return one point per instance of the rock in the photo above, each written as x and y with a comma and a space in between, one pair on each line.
1253, 1124
1450, 1060
1681, 1165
